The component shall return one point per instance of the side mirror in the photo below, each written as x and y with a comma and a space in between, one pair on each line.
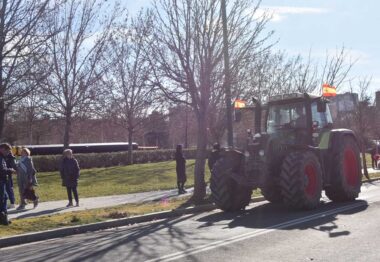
321, 106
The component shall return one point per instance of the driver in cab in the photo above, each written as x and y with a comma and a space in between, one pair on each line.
299, 120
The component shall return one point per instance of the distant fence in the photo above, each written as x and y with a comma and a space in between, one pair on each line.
80, 148
52, 162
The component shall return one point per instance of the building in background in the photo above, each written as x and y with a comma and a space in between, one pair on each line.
342, 104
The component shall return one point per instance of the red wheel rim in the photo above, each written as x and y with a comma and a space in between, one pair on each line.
311, 180
351, 167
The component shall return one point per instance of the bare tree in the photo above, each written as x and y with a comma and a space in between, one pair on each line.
269, 74
362, 118
304, 75
72, 88
187, 55
128, 77
22, 45
337, 67
30, 110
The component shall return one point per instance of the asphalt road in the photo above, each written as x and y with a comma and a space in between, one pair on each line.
264, 232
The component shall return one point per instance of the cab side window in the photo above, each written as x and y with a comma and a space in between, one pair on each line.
323, 119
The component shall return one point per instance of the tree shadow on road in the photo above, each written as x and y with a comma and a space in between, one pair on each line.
130, 243
277, 216
152, 240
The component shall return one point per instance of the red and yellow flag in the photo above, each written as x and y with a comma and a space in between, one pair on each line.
239, 103
328, 90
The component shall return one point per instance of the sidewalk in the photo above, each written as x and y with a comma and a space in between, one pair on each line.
56, 207
372, 171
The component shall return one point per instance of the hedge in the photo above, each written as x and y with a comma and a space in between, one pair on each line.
92, 160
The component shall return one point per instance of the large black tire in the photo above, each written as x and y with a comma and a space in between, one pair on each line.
272, 193
346, 175
226, 193
301, 180
270, 190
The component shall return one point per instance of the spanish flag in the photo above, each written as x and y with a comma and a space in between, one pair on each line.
328, 90
239, 103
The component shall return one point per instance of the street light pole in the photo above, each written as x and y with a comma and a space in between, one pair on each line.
227, 82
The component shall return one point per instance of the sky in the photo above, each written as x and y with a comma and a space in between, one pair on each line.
322, 26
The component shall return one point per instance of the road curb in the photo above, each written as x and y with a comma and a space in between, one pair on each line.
67, 231
371, 180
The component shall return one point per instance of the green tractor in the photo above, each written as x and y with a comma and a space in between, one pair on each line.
292, 156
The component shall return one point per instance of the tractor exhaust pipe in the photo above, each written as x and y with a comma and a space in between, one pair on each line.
258, 111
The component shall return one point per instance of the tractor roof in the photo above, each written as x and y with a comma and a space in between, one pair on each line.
292, 97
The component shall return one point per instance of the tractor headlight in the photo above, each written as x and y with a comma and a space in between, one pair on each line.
261, 152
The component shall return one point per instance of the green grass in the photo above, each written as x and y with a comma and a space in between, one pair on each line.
116, 180
27, 225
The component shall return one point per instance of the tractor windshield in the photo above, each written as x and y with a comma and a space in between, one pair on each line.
287, 116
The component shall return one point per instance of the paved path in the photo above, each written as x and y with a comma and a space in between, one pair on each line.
54, 207
371, 170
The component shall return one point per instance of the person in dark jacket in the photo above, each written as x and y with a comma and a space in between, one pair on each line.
70, 174
214, 156
5, 172
180, 169
11, 163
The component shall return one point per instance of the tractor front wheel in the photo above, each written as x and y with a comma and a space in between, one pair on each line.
301, 180
226, 193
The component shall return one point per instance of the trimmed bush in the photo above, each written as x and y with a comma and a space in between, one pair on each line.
93, 160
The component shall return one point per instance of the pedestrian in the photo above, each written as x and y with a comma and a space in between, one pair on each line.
70, 174
180, 169
10, 160
214, 156
373, 152
26, 179
4, 174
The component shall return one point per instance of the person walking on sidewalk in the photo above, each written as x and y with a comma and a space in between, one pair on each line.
70, 174
180, 169
26, 179
5, 172
10, 160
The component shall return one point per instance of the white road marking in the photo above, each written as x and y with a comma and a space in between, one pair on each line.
255, 233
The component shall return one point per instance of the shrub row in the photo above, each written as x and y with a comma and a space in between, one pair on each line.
51, 162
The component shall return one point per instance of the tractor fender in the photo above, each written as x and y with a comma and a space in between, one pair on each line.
236, 160
234, 157
337, 136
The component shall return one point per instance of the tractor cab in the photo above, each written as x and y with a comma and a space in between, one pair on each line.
298, 118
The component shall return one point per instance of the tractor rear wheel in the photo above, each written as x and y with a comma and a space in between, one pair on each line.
346, 176
226, 193
301, 180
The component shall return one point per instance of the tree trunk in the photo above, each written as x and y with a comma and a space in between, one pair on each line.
130, 153
30, 132
200, 161
364, 163
66, 137
2, 120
